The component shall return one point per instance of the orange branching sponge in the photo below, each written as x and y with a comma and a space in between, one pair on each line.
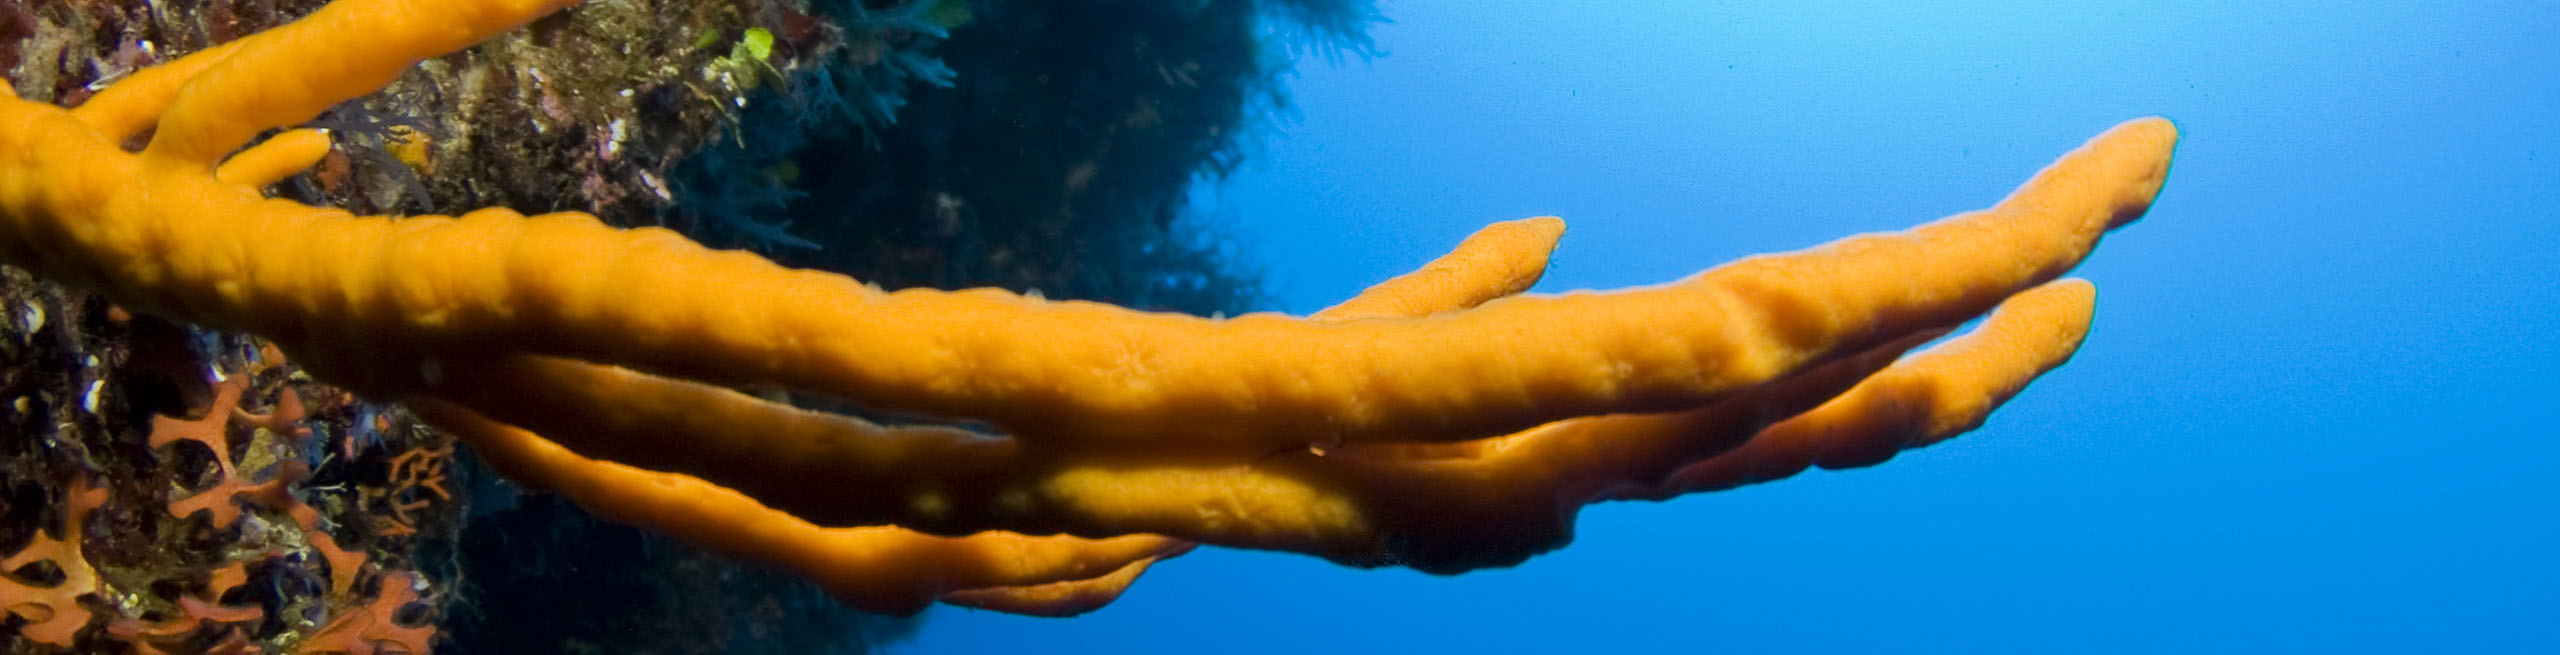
1921, 399
891, 569
878, 568
1444, 421
1302, 499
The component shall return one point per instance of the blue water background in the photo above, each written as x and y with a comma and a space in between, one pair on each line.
2316, 413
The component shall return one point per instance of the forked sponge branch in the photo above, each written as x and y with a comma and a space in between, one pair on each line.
1444, 421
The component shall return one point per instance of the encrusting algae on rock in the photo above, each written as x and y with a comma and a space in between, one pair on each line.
1442, 421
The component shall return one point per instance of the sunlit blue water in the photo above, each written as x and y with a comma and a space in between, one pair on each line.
2316, 413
